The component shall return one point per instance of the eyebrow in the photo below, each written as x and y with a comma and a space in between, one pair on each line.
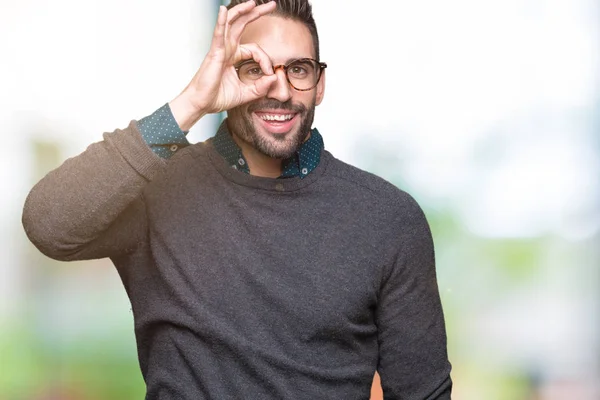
289, 60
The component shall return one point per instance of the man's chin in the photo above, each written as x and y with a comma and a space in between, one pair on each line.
274, 140
280, 146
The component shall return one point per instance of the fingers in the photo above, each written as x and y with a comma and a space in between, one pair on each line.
231, 23
259, 88
238, 10
218, 42
255, 52
236, 26
250, 7
225, 18
266, 8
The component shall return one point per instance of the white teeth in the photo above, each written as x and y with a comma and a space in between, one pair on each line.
277, 117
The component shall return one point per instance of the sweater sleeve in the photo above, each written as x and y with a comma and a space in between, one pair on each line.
413, 361
91, 206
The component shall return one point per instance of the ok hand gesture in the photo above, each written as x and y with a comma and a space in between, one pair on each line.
216, 86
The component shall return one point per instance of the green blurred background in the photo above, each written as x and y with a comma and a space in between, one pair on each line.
487, 112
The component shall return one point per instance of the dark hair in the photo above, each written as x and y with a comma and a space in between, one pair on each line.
296, 10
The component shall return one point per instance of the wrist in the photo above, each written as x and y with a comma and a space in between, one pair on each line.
185, 112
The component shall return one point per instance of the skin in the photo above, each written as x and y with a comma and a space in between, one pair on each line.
283, 40
247, 32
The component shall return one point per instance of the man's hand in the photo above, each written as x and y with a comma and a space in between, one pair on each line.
216, 86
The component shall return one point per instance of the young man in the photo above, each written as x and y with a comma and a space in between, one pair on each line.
258, 265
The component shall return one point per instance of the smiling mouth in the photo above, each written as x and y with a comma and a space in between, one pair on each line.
275, 115
277, 122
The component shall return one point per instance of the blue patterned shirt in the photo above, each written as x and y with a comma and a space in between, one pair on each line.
163, 135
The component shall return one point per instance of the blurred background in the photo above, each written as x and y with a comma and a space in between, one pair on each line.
487, 112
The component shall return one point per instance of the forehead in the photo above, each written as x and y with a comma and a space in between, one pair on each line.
281, 38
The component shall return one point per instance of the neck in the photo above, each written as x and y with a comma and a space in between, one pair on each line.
259, 163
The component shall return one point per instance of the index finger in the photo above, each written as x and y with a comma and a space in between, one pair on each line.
239, 9
237, 28
249, 6
255, 52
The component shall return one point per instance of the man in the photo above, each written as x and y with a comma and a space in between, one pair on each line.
258, 265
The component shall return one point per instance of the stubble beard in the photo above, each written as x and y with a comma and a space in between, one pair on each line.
279, 146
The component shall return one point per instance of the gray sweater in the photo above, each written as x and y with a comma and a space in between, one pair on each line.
250, 287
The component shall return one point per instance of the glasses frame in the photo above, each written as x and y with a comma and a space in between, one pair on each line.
320, 67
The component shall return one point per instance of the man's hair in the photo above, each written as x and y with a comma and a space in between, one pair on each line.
296, 10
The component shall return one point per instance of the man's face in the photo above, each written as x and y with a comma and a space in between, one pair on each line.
283, 40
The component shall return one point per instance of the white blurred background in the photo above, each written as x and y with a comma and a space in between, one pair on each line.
487, 112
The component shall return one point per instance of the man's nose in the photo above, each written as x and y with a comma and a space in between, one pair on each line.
281, 89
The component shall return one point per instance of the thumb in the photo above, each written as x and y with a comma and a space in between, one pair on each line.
260, 88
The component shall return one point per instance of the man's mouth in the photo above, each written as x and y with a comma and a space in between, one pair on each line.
276, 117
280, 121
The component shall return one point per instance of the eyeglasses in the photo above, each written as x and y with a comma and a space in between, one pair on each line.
302, 74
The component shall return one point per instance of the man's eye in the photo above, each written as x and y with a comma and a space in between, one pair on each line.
254, 71
297, 70
301, 71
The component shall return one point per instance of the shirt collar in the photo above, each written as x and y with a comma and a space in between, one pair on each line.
302, 163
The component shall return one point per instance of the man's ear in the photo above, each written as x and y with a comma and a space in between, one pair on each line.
321, 88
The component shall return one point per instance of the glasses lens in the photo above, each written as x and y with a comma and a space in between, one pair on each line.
249, 72
303, 74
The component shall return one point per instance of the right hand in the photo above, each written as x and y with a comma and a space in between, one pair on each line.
216, 86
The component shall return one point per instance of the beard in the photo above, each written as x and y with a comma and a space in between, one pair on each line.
279, 146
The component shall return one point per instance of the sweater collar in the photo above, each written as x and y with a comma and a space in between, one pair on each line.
302, 163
